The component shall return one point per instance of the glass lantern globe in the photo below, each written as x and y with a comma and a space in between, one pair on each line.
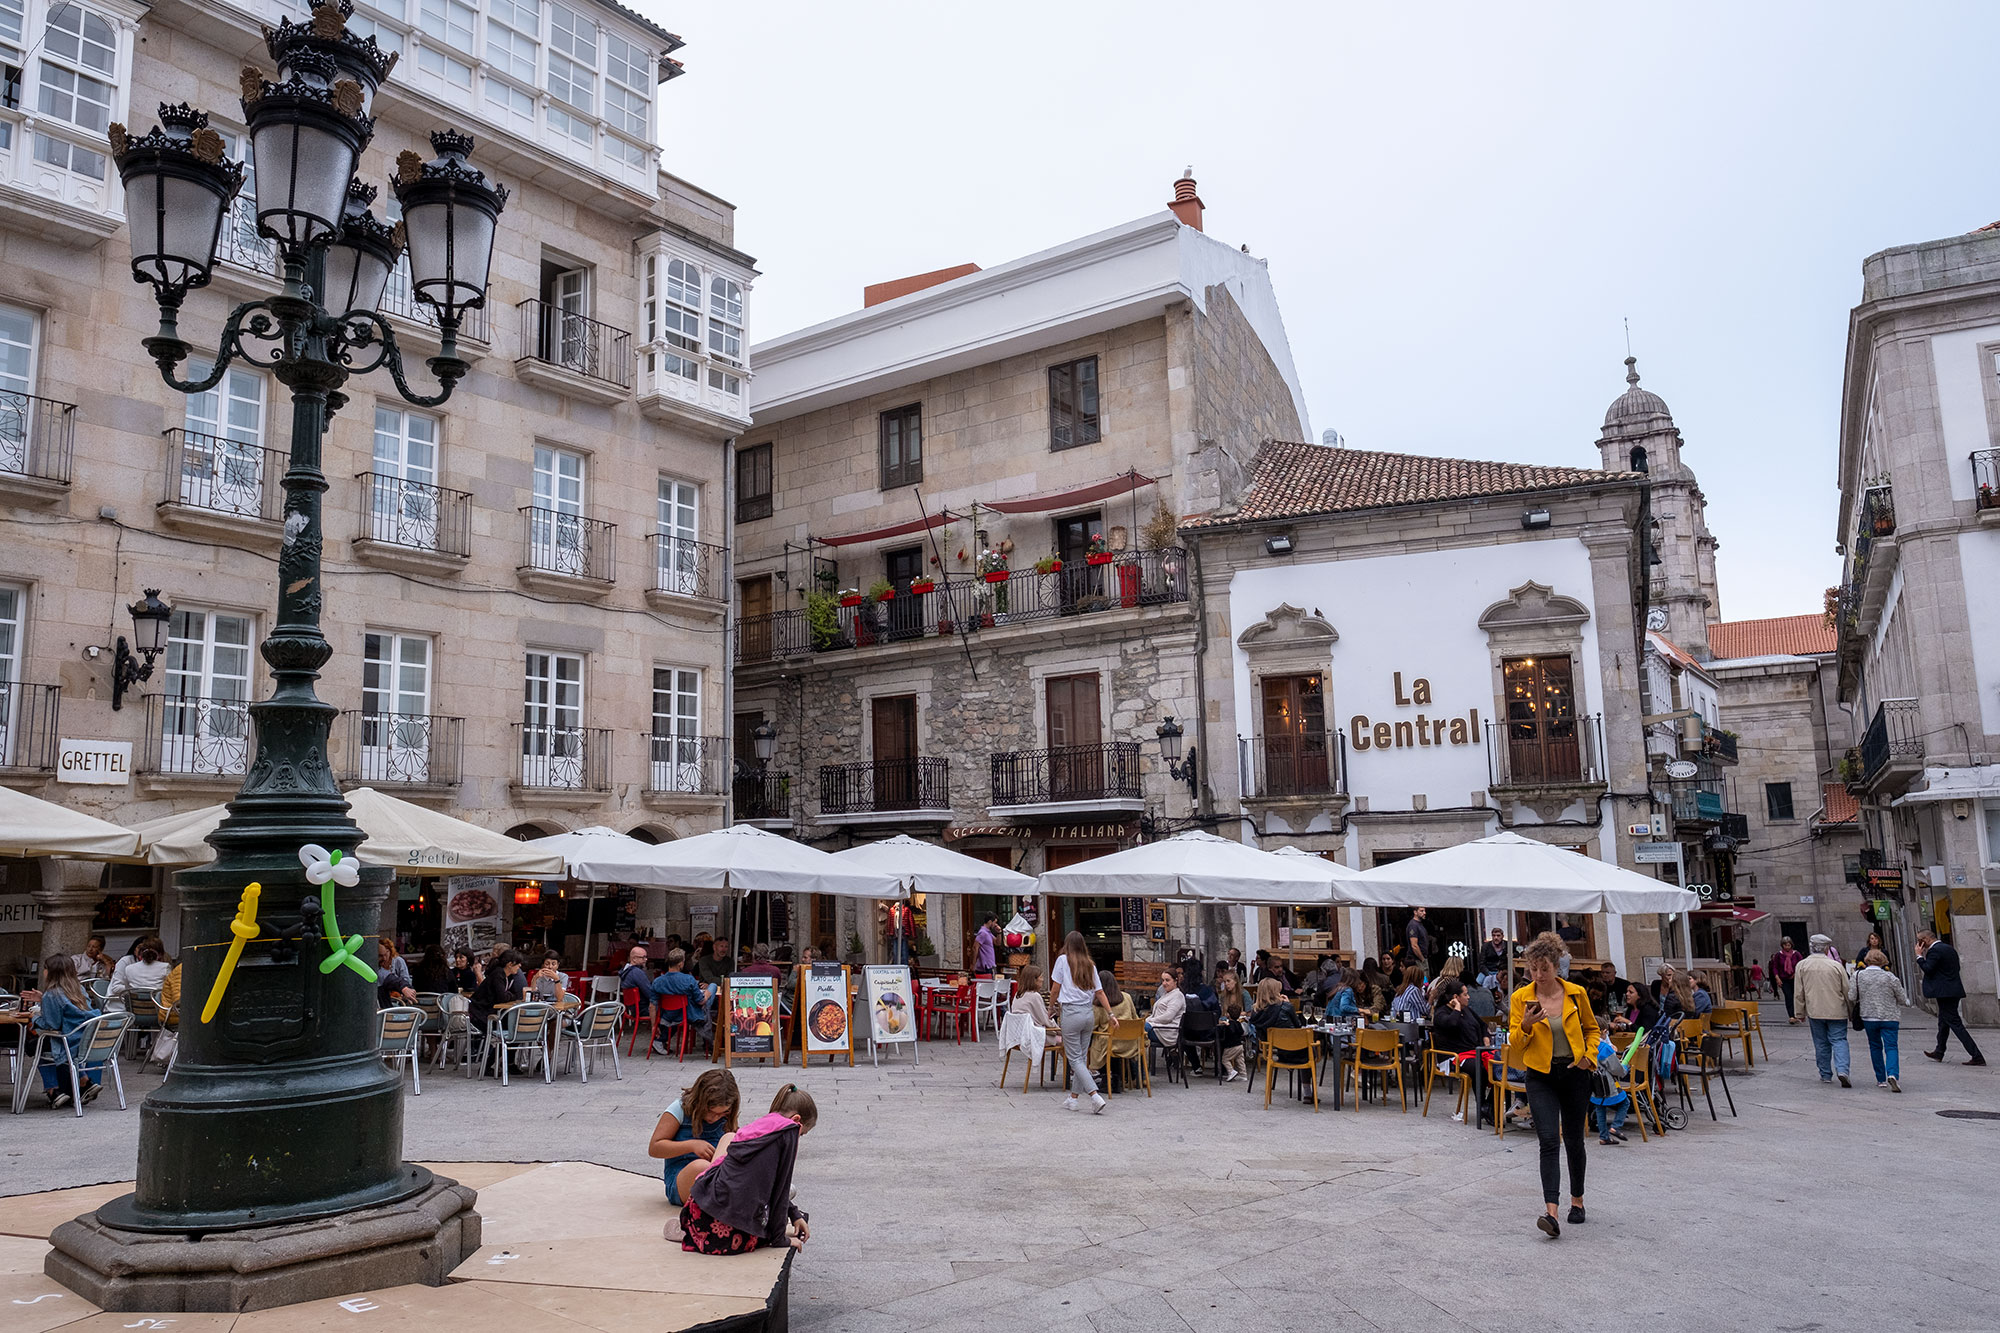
306, 135
361, 256
178, 187
450, 214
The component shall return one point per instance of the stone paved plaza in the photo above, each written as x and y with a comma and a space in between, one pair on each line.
940, 1202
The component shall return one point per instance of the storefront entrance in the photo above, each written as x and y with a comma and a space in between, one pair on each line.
1097, 918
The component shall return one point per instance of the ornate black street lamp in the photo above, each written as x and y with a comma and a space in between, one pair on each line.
279, 1109
132, 662
1171, 738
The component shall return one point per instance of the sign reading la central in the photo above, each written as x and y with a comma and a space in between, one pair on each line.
1422, 730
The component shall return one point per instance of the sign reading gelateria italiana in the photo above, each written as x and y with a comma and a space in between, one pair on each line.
1425, 729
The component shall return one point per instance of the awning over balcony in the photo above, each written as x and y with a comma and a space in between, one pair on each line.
938, 519
1738, 916
1075, 495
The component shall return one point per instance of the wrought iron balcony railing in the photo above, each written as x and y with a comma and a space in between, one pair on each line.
884, 785
564, 758
415, 515
1308, 764
1108, 772
1554, 752
30, 725
973, 605
224, 476
764, 795
687, 568
194, 735
1986, 478
572, 342
37, 436
402, 749
570, 544
687, 765
1894, 735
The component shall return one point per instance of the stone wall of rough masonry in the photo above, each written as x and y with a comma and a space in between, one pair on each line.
1239, 399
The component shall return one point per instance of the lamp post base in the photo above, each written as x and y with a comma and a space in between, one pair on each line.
418, 1239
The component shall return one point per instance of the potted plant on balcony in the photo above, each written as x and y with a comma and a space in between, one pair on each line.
921, 586
1988, 497
992, 566
881, 590
823, 621
850, 596
1100, 550
1048, 564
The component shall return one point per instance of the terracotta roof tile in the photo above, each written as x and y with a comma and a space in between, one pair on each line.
1292, 480
1800, 636
1841, 806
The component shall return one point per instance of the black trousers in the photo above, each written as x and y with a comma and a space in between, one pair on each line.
1790, 1012
1560, 1100
1948, 1023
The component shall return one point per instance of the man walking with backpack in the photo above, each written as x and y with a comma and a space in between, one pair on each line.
1941, 983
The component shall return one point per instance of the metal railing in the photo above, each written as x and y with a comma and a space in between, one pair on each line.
1986, 478
224, 476
687, 765
686, 568
1562, 752
1108, 772
1711, 741
403, 749
1696, 801
30, 725
563, 543
1310, 764
241, 246
37, 436
974, 605
414, 514
763, 795
193, 735
1878, 511
1736, 826
885, 785
578, 344
1895, 732
564, 758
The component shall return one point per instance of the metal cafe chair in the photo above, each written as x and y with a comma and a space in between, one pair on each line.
457, 1030
594, 1028
397, 1032
101, 1038
523, 1028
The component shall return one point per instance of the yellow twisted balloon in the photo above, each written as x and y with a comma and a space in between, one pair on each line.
244, 928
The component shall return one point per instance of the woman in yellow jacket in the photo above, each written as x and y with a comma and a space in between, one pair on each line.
1553, 1036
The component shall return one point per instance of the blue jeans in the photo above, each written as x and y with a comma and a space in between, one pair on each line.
1604, 1119
1882, 1046
1829, 1045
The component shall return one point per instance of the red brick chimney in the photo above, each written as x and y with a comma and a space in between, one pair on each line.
1186, 203
875, 293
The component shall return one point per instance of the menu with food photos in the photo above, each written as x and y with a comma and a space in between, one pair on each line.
823, 1005
472, 914
752, 1011
892, 1010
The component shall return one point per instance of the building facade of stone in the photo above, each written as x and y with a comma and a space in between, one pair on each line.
1918, 608
526, 589
1003, 453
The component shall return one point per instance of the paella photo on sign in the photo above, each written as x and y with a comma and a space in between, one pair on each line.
829, 1021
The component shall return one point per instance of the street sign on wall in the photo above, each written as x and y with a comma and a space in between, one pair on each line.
1656, 853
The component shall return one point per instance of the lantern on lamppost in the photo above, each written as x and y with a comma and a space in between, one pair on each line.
279, 1111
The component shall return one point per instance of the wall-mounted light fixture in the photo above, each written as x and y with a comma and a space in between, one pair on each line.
149, 635
1278, 545
1171, 738
1535, 518
765, 740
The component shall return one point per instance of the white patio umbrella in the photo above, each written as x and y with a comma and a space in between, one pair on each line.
1197, 867
30, 826
737, 860
925, 867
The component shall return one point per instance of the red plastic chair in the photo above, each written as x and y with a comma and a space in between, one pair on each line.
639, 1020
954, 1007
670, 1006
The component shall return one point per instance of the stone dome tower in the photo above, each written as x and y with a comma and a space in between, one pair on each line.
1683, 583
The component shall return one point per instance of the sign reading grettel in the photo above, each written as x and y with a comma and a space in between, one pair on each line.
827, 1026
472, 915
94, 763
892, 1010
19, 913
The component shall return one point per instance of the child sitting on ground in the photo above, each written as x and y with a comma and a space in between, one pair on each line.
693, 1129
1607, 1114
742, 1200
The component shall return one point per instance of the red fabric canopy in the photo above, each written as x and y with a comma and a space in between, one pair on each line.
1075, 495
893, 530
1742, 916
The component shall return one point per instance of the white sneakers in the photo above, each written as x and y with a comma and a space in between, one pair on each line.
1231, 1076
1097, 1103
1069, 1103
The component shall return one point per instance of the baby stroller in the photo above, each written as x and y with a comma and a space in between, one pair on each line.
1663, 1048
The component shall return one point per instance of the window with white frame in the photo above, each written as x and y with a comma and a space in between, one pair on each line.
556, 538
677, 743
385, 37
511, 30
725, 319
680, 318
552, 741
18, 330
680, 551
13, 24
626, 68
205, 714
395, 722
222, 462
12, 599
77, 85
572, 77
403, 501
451, 23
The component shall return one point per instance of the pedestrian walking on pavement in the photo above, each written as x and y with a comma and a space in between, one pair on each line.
1077, 996
1784, 970
1822, 998
1941, 983
1556, 1037
1879, 996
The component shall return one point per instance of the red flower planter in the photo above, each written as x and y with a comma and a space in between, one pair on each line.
996, 575
886, 596
1104, 558
923, 586
851, 601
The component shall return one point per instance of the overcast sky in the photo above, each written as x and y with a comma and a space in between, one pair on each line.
1460, 205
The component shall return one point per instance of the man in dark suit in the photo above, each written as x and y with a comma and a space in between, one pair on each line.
1941, 983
